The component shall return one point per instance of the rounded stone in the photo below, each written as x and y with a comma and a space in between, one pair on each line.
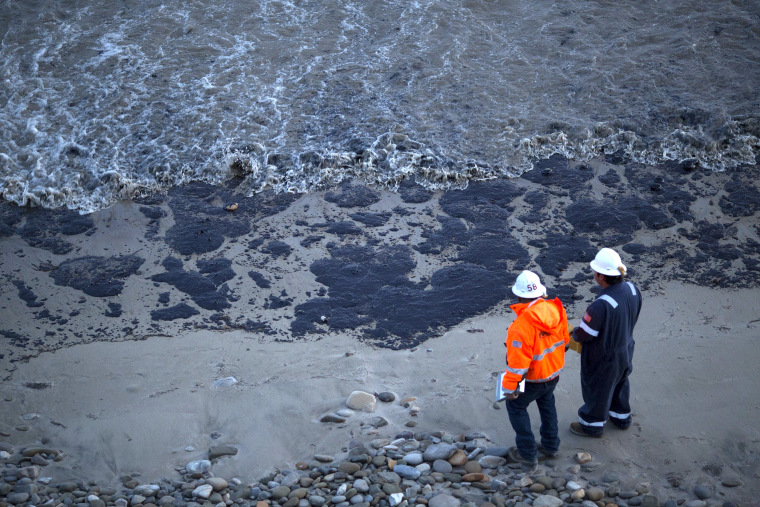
386, 397
649, 501
439, 451
459, 458
627, 495
316, 500
537, 488
217, 483
407, 472
359, 400
17, 498
349, 468
547, 501
594, 494
442, 466
413, 458
203, 491
703, 492
443, 500
280, 492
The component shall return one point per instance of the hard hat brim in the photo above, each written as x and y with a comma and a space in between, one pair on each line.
599, 269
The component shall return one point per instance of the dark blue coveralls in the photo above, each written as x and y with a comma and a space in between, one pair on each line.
606, 331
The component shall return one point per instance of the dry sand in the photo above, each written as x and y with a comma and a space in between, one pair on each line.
136, 406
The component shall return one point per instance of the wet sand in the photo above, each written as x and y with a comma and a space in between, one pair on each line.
116, 325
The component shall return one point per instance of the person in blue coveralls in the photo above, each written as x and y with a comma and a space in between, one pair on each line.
606, 332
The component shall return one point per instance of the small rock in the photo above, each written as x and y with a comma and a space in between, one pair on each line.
232, 207
649, 501
413, 458
332, 418
359, 400
147, 490
443, 500
626, 495
386, 397
395, 499
491, 461
582, 457
324, 458
217, 483
537, 488
594, 494
703, 492
349, 468
203, 491
407, 472
731, 481
578, 494
547, 501
442, 466
474, 477
217, 451
198, 467
17, 498
459, 458
439, 451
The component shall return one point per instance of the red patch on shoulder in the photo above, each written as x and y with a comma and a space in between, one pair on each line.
587, 318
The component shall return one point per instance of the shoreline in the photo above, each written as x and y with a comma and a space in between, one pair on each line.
116, 325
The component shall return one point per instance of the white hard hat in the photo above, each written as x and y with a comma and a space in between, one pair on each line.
607, 262
528, 286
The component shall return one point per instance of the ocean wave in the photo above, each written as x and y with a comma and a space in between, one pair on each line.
385, 162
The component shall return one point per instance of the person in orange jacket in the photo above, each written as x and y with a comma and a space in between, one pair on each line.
536, 343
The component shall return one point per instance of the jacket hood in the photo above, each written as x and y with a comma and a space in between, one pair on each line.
545, 314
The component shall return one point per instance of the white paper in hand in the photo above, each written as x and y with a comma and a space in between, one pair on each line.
500, 393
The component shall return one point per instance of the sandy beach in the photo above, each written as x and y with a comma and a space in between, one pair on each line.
118, 326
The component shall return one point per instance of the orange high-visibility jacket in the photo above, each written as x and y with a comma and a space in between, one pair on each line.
536, 342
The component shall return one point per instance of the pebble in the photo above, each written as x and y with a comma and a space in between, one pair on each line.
361, 401
429, 469
703, 492
582, 457
547, 501
386, 397
444, 500
414, 458
202, 491
439, 451
442, 466
594, 494
731, 481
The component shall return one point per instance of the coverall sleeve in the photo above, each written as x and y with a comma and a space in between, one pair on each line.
519, 357
591, 323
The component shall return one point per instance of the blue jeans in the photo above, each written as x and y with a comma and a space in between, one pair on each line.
543, 394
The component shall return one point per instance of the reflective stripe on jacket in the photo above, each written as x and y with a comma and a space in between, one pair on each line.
536, 342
